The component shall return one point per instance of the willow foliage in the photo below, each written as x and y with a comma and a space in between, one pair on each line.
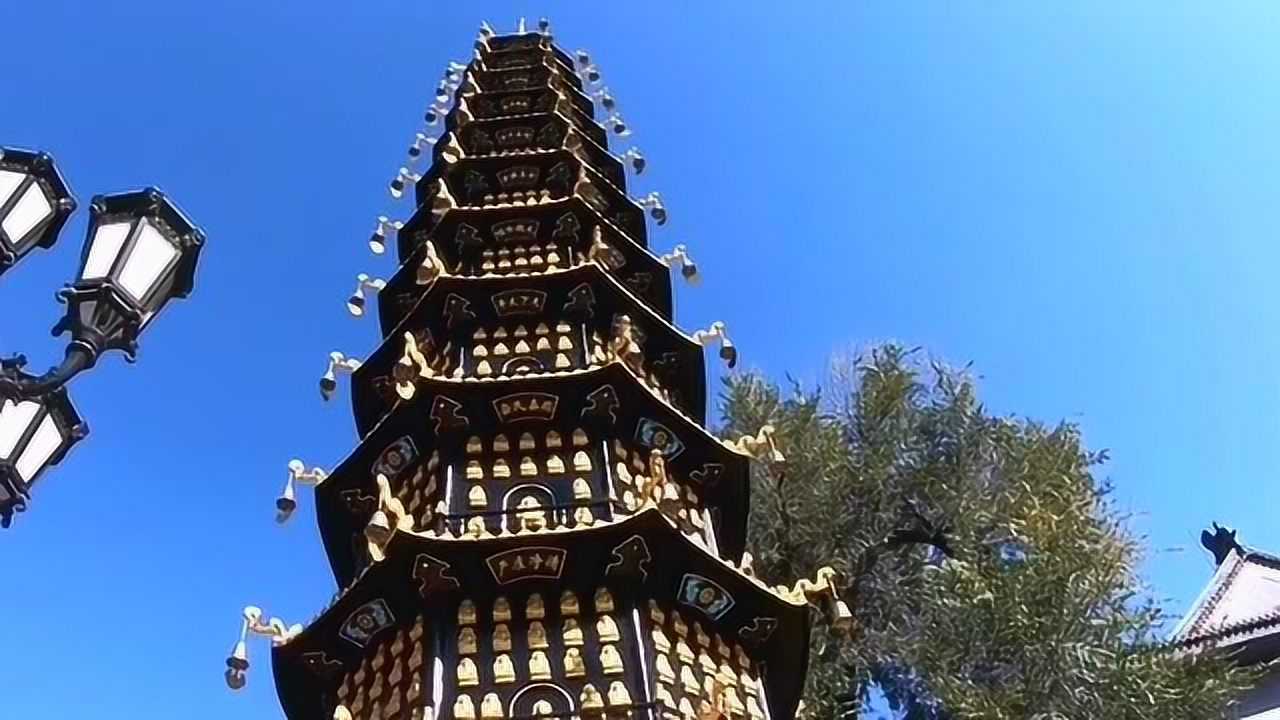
1039, 615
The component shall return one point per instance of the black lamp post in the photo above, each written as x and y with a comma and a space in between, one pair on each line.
140, 253
34, 203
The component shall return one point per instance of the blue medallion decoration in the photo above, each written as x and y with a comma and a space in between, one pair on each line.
705, 595
395, 458
368, 620
653, 434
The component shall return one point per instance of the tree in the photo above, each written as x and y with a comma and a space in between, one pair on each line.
988, 572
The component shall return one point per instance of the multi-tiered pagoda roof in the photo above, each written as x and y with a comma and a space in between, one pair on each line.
535, 521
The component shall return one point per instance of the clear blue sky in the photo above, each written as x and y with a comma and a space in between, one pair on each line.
1079, 198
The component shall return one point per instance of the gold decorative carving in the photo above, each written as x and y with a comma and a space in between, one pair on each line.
531, 516
537, 636
389, 517
501, 637
467, 675
568, 603
534, 607
573, 665
501, 609
464, 708
611, 660
590, 698
663, 667
504, 672
618, 694
491, 707
759, 446
684, 652
607, 629
467, 641
572, 633
539, 666
661, 642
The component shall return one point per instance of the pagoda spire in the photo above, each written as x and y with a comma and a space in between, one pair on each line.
535, 522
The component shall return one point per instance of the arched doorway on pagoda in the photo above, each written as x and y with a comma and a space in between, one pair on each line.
530, 505
543, 699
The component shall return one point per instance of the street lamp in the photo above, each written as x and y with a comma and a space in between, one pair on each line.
33, 436
140, 253
34, 203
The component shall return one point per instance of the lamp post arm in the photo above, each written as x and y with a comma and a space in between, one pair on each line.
17, 384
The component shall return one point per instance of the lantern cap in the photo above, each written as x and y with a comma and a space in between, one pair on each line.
152, 203
41, 167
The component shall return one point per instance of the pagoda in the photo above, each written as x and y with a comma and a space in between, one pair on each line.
535, 522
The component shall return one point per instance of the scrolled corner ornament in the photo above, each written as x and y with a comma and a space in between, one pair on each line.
823, 593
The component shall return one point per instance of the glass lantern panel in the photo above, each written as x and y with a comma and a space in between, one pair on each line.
107, 242
151, 254
44, 443
14, 420
31, 209
9, 182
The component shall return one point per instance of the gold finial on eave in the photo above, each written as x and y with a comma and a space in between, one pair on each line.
389, 517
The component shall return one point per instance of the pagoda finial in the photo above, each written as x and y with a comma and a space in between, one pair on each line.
253, 624
298, 475
717, 333
356, 303
339, 364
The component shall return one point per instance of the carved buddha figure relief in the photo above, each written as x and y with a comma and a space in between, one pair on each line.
501, 638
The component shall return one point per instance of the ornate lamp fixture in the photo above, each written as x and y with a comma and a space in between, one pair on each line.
34, 434
140, 253
34, 203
